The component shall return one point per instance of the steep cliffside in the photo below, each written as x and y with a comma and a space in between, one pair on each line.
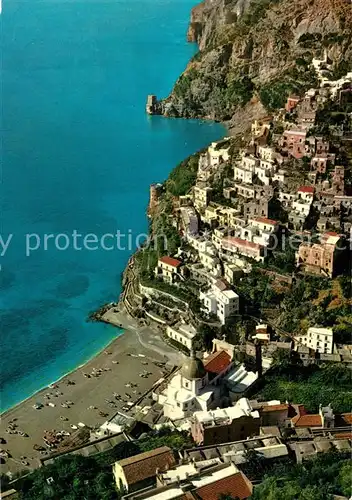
257, 51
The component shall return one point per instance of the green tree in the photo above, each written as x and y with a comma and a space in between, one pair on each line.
345, 479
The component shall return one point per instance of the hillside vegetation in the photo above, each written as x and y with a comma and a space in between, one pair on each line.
254, 53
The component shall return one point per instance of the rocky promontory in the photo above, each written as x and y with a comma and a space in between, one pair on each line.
252, 54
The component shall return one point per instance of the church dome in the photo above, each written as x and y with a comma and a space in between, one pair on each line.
193, 368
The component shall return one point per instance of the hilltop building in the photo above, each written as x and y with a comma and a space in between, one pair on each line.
220, 300
320, 258
319, 339
182, 333
168, 269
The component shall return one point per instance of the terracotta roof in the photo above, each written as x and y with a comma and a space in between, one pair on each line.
306, 189
266, 221
238, 242
343, 435
331, 233
307, 421
217, 362
170, 261
144, 465
269, 408
237, 486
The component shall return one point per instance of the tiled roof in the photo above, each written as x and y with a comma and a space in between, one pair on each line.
269, 408
264, 220
217, 362
237, 486
307, 420
343, 435
306, 189
144, 465
238, 242
347, 418
170, 261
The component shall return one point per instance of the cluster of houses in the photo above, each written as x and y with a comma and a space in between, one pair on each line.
225, 437
201, 385
258, 204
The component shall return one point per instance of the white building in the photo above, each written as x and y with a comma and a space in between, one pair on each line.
182, 333
264, 174
301, 207
242, 408
306, 193
201, 196
201, 244
264, 224
211, 263
218, 154
196, 386
319, 339
267, 153
220, 300
168, 268
243, 174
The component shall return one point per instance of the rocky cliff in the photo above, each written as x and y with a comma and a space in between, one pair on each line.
252, 53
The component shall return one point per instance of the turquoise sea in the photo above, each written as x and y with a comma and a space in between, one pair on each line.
79, 153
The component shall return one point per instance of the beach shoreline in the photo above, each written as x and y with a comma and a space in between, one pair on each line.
137, 350
7, 411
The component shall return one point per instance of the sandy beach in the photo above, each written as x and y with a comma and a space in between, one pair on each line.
131, 354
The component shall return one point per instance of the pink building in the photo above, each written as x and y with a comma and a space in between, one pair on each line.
294, 142
233, 245
320, 258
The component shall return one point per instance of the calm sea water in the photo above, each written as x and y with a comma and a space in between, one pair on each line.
79, 153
